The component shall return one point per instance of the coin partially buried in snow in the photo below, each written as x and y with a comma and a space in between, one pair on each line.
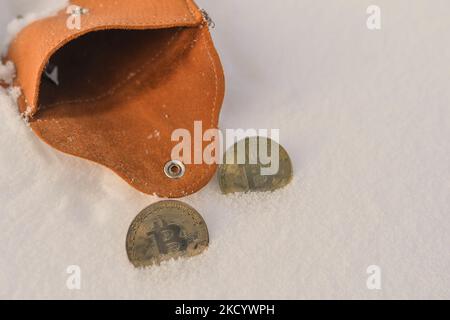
166, 230
255, 164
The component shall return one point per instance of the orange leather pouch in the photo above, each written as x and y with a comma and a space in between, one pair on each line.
135, 71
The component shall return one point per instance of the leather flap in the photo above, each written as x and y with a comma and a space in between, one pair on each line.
134, 72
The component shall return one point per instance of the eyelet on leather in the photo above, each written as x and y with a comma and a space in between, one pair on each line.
174, 169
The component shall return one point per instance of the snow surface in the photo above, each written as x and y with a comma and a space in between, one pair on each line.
7, 72
365, 116
23, 15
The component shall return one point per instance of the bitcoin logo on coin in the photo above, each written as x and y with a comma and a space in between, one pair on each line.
166, 230
247, 175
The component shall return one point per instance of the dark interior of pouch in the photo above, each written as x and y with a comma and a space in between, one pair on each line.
109, 67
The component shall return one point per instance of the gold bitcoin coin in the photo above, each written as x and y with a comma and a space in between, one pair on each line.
255, 164
166, 230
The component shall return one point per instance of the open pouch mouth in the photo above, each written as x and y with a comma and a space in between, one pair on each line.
115, 92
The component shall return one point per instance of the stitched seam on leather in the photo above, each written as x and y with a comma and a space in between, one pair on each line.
120, 84
216, 79
155, 24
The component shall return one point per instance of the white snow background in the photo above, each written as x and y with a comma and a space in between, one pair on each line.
365, 116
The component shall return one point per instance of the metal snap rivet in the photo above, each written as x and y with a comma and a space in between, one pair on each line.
174, 169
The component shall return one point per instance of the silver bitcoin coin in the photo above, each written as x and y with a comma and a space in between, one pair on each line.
255, 164
166, 230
